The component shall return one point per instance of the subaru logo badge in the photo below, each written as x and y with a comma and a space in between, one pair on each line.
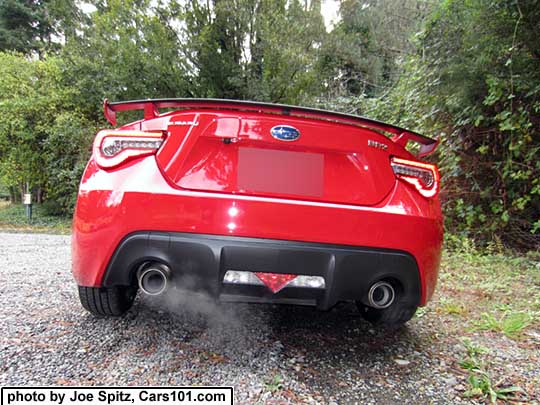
285, 133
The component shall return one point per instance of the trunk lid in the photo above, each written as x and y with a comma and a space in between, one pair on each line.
273, 155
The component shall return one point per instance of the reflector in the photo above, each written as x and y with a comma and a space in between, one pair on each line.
241, 277
307, 282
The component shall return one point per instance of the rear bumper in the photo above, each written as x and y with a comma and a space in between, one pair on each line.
113, 206
199, 262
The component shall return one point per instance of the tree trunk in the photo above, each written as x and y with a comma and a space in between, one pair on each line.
12, 195
39, 194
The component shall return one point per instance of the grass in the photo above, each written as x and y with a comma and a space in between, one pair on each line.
491, 296
481, 383
275, 383
450, 307
497, 292
13, 218
511, 324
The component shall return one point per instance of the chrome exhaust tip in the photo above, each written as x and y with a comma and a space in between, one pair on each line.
381, 295
154, 279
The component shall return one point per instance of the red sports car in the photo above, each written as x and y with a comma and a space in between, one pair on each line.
257, 202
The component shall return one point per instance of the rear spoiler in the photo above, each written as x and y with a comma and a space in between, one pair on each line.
151, 108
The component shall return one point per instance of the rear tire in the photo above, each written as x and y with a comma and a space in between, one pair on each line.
395, 315
107, 301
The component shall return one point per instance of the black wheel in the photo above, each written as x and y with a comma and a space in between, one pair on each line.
394, 315
107, 301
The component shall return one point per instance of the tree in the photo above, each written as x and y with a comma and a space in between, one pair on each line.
253, 49
127, 50
476, 78
44, 139
360, 56
36, 26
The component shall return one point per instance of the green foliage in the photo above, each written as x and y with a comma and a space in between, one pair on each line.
44, 141
65, 152
492, 116
489, 288
475, 81
126, 50
4, 193
451, 307
511, 324
32, 26
27, 104
359, 56
502, 288
275, 383
261, 50
480, 380
14, 217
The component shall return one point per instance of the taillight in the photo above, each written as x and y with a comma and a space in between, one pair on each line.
423, 176
114, 147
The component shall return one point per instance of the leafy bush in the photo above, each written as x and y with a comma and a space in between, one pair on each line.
66, 151
475, 81
44, 139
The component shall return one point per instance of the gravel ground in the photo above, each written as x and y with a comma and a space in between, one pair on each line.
270, 354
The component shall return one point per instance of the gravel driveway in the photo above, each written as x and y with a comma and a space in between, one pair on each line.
270, 354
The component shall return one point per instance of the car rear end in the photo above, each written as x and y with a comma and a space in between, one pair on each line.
259, 203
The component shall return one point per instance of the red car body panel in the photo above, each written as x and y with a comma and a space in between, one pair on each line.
209, 179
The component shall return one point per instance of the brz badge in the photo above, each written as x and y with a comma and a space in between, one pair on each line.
378, 145
183, 123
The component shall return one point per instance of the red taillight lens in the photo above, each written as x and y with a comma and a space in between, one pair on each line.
423, 176
114, 147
